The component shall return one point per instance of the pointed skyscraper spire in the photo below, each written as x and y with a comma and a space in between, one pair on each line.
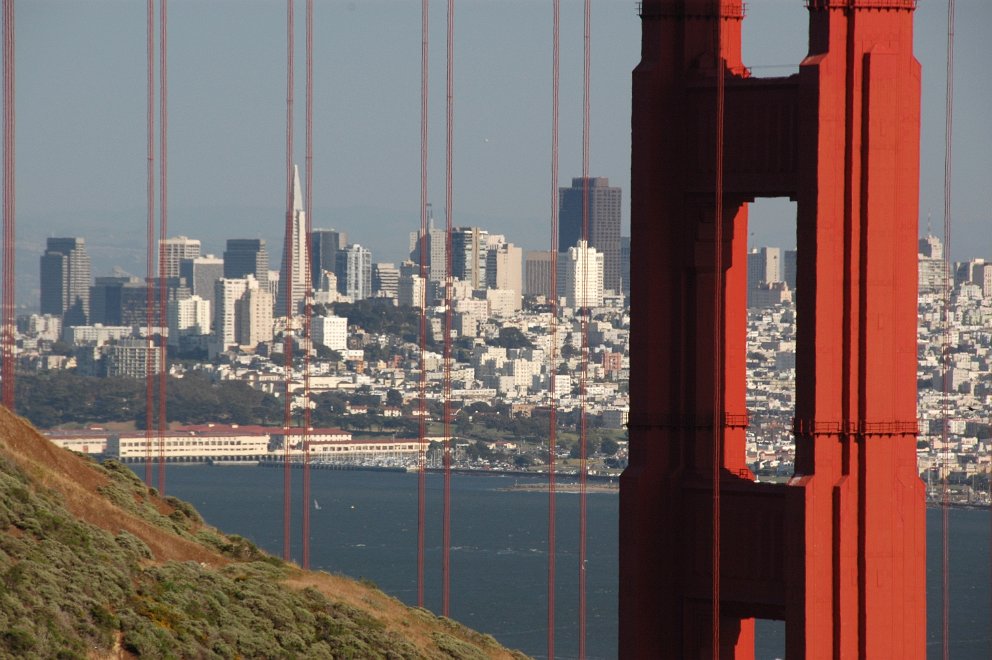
292, 281
297, 190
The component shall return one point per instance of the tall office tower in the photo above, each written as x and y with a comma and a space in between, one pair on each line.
246, 256
468, 255
537, 273
253, 316
354, 271
173, 250
504, 269
293, 272
107, 298
437, 245
789, 265
581, 280
604, 223
65, 280
188, 317
228, 292
385, 280
324, 246
625, 263
931, 247
764, 266
201, 274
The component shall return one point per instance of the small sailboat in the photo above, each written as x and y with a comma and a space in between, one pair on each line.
316, 505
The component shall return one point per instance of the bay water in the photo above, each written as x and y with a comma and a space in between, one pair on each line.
364, 525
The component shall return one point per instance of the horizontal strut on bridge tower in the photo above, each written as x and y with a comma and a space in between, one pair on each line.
730, 420
822, 5
806, 427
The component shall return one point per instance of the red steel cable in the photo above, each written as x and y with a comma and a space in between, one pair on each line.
449, 132
150, 248
553, 323
720, 67
422, 454
7, 318
287, 344
584, 324
163, 127
946, 341
307, 288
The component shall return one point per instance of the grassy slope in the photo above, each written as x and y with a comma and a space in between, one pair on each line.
94, 564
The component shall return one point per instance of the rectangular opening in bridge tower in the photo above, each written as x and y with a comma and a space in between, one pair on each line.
771, 337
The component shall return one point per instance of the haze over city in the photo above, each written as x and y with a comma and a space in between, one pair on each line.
81, 120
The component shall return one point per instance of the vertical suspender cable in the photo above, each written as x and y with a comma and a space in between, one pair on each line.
584, 323
287, 344
307, 288
946, 339
449, 132
718, 333
7, 319
150, 247
422, 408
163, 128
553, 322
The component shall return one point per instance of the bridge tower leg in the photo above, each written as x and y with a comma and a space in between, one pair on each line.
839, 552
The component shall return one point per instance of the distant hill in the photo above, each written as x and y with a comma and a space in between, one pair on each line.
93, 564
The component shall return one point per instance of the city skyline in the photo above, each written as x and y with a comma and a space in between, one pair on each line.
227, 106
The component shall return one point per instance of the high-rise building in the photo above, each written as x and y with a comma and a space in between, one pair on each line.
764, 266
65, 280
436, 248
107, 298
201, 275
354, 271
246, 256
537, 273
604, 223
173, 250
132, 358
790, 268
228, 292
385, 279
581, 280
253, 316
188, 317
411, 290
293, 272
504, 269
324, 246
468, 255
625, 263
931, 247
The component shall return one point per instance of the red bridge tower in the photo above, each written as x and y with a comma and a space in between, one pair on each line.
839, 552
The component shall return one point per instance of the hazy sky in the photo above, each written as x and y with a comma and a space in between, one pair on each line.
81, 119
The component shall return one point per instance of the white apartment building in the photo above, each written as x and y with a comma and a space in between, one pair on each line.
95, 334
330, 331
581, 279
410, 290
132, 358
188, 317
227, 293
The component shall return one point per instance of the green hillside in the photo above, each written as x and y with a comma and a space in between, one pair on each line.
93, 564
